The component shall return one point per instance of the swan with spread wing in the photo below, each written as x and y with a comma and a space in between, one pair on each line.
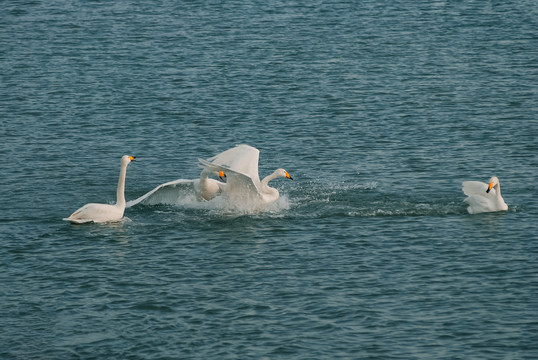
243, 186
205, 188
483, 197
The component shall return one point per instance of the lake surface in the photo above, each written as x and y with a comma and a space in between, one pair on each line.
378, 109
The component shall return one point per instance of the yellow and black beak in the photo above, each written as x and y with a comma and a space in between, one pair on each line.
222, 176
288, 176
490, 186
132, 158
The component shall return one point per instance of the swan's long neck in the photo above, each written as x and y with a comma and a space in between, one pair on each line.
203, 176
120, 193
268, 178
498, 190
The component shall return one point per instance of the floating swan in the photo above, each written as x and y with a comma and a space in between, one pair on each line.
99, 213
243, 185
209, 188
168, 193
483, 197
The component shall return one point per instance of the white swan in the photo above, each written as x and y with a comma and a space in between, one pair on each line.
205, 188
99, 213
208, 188
483, 197
243, 185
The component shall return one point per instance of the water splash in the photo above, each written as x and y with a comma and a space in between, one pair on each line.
183, 196
321, 200
367, 200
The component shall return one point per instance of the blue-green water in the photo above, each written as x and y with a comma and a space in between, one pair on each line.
378, 109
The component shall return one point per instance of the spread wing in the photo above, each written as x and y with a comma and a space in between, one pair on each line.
478, 199
242, 159
477, 188
167, 193
240, 187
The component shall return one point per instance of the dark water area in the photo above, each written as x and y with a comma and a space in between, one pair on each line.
378, 109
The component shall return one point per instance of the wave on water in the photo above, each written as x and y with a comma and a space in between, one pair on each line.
367, 200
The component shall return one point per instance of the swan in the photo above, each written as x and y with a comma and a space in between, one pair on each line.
99, 213
483, 197
205, 188
243, 183
208, 188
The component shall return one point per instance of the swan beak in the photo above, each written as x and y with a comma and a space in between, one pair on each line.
288, 176
132, 158
490, 186
222, 176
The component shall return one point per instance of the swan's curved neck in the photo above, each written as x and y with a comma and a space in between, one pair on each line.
268, 178
204, 175
498, 190
120, 193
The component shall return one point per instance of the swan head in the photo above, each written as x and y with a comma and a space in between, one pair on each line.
283, 173
126, 159
206, 172
494, 181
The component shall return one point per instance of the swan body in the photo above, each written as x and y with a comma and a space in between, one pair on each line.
208, 188
99, 213
243, 183
483, 197
204, 188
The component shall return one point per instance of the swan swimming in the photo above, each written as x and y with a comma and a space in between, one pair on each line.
243, 185
483, 197
205, 188
209, 188
99, 213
